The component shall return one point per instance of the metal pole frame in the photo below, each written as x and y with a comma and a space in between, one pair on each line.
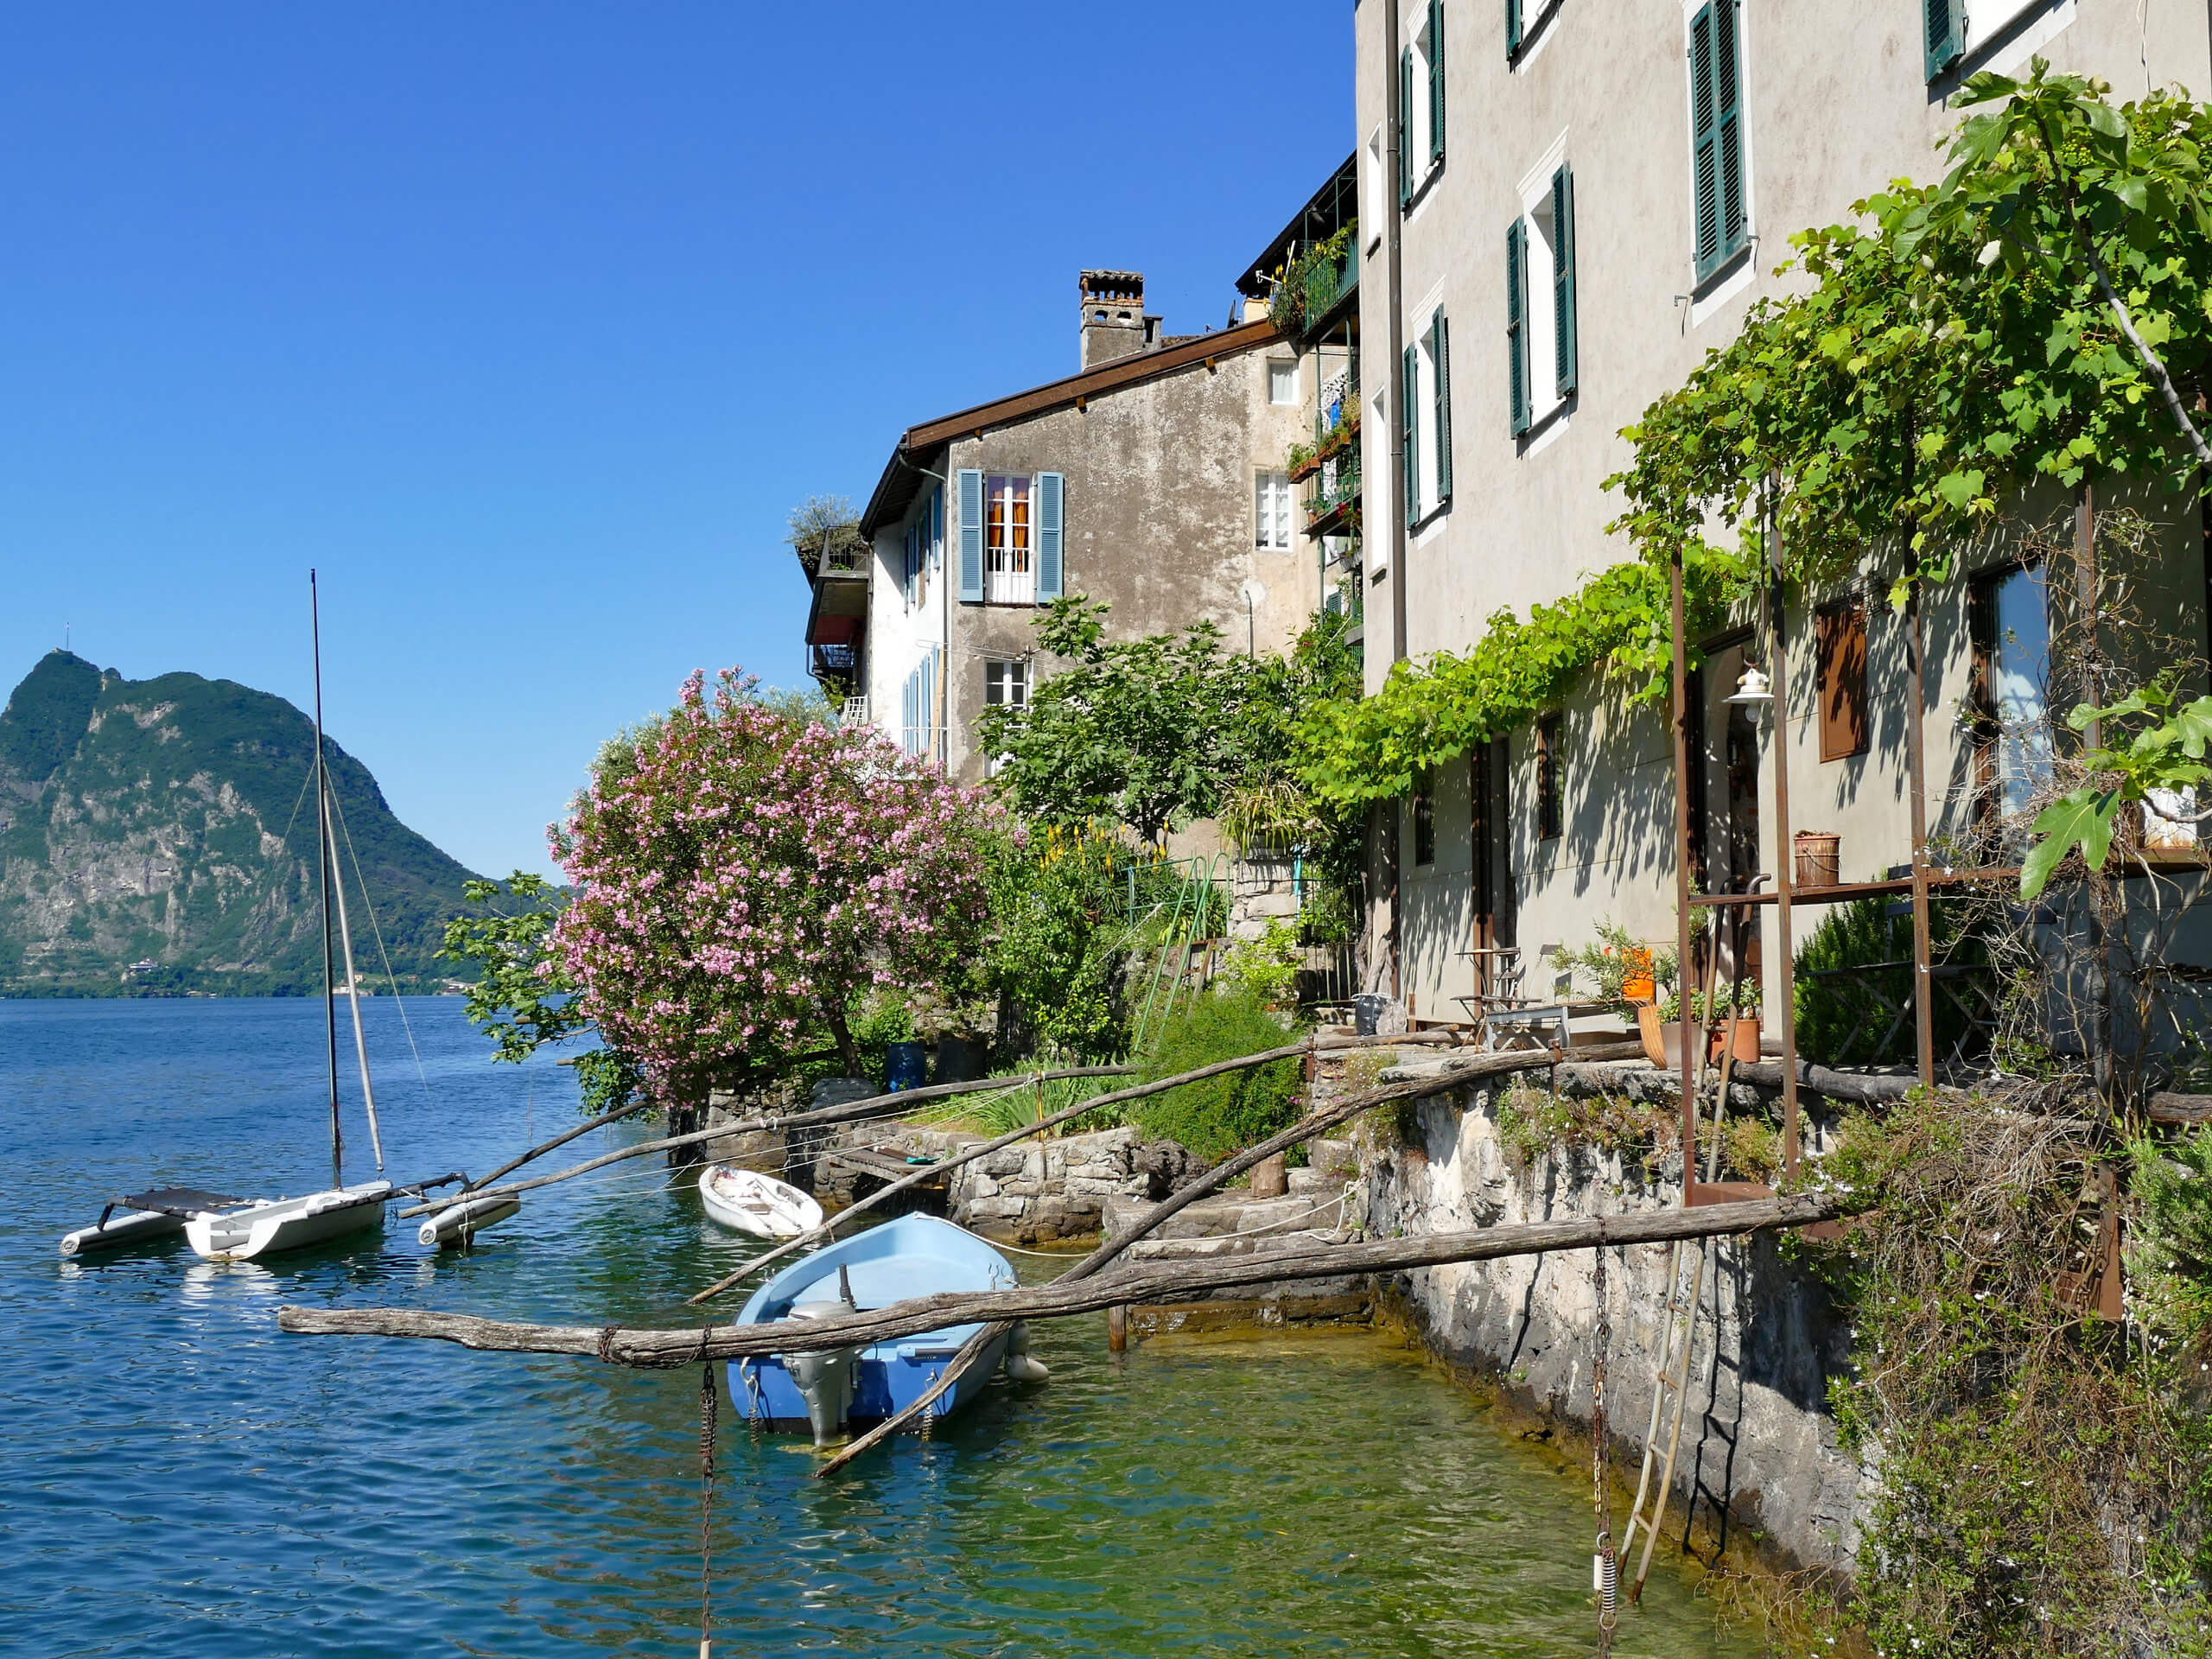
1691, 1043
1785, 851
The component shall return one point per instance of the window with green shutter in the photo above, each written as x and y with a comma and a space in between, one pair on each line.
1716, 136
1512, 27
1563, 352
1517, 327
1410, 412
1051, 487
1946, 33
1440, 365
1405, 128
1435, 82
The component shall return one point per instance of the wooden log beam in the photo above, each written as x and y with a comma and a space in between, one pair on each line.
1455, 1074
2166, 1108
1120, 1096
561, 1140
892, 1105
1837, 1086
1148, 1281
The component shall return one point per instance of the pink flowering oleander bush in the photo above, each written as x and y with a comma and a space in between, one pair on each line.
747, 881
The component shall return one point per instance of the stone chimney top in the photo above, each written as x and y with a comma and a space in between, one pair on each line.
1113, 322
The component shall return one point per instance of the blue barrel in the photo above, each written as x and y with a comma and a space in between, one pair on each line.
906, 1067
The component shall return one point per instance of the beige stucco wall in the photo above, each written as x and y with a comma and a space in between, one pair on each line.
1836, 104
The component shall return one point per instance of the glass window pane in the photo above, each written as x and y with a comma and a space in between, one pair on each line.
2020, 678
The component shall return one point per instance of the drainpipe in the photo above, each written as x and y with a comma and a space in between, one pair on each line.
1394, 466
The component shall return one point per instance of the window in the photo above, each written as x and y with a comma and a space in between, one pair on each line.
1955, 27
1425, 393
1011, 532
925, 547
1839, 642
1425, 818
1272, 511
1420, 70
1006, 683
1282, 380
1548, 815
1371, 203
918, 707
2012, 649
1718, 222
1541, 330
1524, 22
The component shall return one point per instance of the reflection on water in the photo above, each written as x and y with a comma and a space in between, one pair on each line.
182, 1478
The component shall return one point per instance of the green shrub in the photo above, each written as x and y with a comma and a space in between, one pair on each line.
1220, 1115
1267, 966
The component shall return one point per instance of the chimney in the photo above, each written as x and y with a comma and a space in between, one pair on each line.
1114, 323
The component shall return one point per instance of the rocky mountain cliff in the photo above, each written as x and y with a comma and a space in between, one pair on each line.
167, 822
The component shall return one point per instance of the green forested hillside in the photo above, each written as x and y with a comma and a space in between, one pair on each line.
167, 821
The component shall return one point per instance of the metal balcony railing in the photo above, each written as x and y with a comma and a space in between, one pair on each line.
1326, 283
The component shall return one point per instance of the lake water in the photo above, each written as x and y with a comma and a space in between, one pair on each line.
178, 1478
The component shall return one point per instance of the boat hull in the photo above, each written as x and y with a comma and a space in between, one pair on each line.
281, 1225
133, 1229
756, 1205
913, 1256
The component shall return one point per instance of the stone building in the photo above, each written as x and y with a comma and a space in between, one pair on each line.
1633, 172
1153, 478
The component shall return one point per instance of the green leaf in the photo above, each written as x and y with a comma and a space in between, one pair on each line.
2083, 818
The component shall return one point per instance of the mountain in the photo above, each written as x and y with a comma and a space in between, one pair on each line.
167, 821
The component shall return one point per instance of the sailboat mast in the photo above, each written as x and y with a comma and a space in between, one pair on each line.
322, 868
352, 981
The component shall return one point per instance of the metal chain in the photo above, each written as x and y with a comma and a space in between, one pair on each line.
1606, 1568
708, 1407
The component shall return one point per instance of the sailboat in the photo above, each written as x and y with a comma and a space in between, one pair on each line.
240, 1230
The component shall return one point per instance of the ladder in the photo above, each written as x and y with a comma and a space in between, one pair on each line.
1670, 1381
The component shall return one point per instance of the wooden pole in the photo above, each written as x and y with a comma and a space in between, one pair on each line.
1687, 1021
930, 1172
561, 1140
1150, 1282
976, 1346
1785, 873
892, 1105
1924, 979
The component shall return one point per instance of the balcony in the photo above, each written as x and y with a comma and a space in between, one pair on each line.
1317, 287
1334, 508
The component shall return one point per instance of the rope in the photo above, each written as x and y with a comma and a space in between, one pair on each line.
1605, 1570
361, 881
707, 1404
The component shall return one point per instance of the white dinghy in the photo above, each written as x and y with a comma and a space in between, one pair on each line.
757, 1204
268, 1225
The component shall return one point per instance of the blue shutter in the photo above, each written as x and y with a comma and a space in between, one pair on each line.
1563, 280
1405, 128
1944, 44
1435, 82
1409, 409
1512, 27
1516, 328
1049, 487
971, 536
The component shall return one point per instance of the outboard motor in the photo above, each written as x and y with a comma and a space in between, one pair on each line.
825, 1377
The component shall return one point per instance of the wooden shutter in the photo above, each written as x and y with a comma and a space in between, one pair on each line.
1717, 135
1512, 27
1439, 354
1517, 327
1409, 409
1049, 489
1563, 280
1435, 82
971, 536
1944, 42
1839, 632
1405, 128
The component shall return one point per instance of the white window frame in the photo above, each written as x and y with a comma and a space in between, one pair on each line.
1271, 500
1733, 279
1009, 571
1982, 21
1378, 186
1539, 267
1282, 370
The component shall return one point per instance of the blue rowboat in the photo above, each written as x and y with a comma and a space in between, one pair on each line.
848, 1388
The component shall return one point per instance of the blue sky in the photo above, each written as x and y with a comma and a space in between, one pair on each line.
527, 325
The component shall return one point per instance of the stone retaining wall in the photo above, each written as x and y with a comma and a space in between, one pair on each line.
1760, 1452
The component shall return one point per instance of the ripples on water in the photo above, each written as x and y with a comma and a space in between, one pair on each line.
178, 1478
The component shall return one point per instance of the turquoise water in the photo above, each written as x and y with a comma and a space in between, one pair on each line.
178, 1478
